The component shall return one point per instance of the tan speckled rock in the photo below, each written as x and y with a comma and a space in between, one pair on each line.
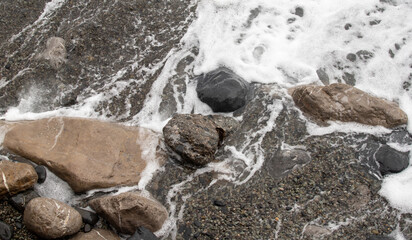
96, 234
16, 177
86, 153
348, 104
49, 218
127, 211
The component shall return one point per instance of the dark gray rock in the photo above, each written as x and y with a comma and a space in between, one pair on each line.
223, 90
20, 200
323, 76
194, 137
88, 217
143, 233
299, 11
41, 173
391, 160
6, 231
364, 55
351, 57
348, 26
349, 78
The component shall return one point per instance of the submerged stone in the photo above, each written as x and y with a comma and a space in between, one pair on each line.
223, 90
86, 153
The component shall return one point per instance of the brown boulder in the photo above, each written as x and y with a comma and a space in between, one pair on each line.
96, 234
16, 177
49, 218
86, 153
127, 211
348, 104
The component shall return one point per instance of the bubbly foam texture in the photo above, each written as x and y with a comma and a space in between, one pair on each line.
55, 188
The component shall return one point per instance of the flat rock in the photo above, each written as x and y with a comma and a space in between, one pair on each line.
86, 153
49, 218
128, 211
223, 90
194, 137
96, 234
16, 177
348, 104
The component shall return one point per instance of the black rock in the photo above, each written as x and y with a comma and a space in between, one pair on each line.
351, 57
223, 90
323, 76
219, 203
87, 228
6, 231
391, 160
378, 237
143, 233
391, 54
374, 22
41, 173
20, 200
8, 66
88, 217
299, 11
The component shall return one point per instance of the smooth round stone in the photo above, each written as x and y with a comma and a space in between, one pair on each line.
41, 173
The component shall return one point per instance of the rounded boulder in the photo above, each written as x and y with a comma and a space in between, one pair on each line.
50, 219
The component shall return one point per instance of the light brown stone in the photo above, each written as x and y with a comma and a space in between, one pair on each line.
86, 153
50, 219
96, 234
348, 104
127, 211
16, 177
316, 232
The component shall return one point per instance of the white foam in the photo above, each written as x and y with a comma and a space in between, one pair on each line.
349, 127
55, 188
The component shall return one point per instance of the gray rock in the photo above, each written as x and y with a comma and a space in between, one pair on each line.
349, 78
285, 161
351, 57
364, 54
223, 90
49, 218
299, 11
323, 76
6, 231
193, 137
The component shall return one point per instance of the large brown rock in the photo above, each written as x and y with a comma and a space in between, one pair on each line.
96, 234
87, 154
348, 104
50, 219
16, 177
127, 211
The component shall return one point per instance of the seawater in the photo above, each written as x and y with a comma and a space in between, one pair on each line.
268, 42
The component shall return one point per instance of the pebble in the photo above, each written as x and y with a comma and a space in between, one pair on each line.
41, 173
